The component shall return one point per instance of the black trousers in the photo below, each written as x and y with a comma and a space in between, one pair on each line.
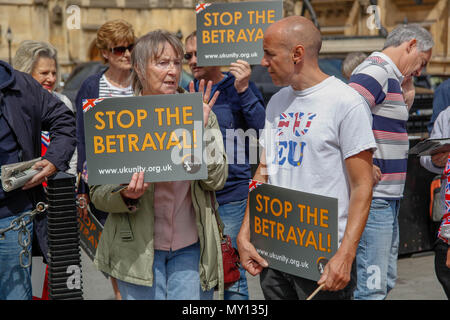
277, 285
442, 271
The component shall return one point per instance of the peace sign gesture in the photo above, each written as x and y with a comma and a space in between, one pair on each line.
208, 102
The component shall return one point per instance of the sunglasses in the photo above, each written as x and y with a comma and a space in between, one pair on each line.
189, 55
118, 51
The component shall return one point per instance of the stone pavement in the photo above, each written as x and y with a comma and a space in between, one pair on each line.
416, 281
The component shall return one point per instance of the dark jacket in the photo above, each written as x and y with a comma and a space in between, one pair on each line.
89, 90
237, 111
30, 109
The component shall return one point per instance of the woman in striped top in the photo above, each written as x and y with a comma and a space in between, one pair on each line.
115, 40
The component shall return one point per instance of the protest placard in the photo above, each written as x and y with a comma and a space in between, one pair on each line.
90, 233
161, 135
296, 232
230, 31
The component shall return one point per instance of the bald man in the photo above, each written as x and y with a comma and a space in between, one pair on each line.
329, 154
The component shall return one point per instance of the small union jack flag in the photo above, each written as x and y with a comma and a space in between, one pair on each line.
253, 185
45, 138
88, 104
201, 6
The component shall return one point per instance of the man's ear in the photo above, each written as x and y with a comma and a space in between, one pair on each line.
298, 53
411, 45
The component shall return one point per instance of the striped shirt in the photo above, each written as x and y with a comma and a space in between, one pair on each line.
378, 80
107, 90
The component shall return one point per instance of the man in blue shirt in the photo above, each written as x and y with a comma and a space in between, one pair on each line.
241, 114
26, 109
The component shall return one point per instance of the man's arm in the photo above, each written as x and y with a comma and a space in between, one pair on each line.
441, 101
447, 262
409, 91
250, 259
359, 170
252, 101
437, 162
59, 121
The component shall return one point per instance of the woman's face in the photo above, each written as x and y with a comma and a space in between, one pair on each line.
163, 75
119, 56
44, 72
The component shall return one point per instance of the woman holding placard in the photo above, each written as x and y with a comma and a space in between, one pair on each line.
161, 239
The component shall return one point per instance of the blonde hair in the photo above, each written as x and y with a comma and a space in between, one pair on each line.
149, 48
114, 32
30, 51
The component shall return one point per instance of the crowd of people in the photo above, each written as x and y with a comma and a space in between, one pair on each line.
160, 240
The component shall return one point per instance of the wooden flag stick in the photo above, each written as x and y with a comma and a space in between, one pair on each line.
316, 291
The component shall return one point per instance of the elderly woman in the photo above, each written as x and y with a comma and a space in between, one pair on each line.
174, 251
40, 59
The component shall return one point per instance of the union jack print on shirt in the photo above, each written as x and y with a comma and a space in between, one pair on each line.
286, 119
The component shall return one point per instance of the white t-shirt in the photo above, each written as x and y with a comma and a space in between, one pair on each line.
309, 134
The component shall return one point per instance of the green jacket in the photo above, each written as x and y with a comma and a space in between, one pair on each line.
126, 249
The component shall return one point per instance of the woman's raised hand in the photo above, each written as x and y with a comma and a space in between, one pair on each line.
208, 101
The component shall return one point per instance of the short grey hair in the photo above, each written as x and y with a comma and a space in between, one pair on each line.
351, 61
29, 53
408, 32
149, 48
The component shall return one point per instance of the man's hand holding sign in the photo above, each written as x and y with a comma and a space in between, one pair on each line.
227, 32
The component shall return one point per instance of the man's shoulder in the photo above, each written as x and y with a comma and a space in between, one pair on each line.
444, 87
376, 66
281, 94
25, 80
